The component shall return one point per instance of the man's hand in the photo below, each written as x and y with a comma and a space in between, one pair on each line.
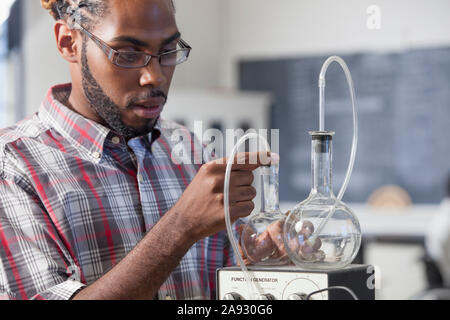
198, 213
270, 245
267, 245
201, 207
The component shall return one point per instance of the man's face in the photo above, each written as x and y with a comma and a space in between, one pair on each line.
130, 100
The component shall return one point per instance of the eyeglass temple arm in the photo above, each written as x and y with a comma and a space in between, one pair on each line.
184, 44
103, 46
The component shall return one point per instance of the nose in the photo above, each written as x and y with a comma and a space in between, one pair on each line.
153, 74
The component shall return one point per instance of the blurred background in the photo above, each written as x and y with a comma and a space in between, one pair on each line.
255, 64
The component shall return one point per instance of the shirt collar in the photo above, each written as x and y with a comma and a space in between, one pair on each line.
87, 135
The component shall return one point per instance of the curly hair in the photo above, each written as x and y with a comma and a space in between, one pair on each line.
86, 11
50, 5
82, 11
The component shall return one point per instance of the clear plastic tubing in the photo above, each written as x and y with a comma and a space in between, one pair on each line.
227, 209
322, 84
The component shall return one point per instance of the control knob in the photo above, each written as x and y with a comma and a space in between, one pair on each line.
232, 296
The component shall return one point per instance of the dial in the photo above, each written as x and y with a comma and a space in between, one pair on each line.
266, 296
297, 296
232, 296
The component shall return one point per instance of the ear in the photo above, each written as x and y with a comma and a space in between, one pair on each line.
67, 41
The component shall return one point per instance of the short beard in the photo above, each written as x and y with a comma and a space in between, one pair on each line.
103, 105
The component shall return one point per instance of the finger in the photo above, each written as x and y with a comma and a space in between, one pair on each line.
264, 247
276, 234
271, 244
237, 179
317, 243
249, 161
244, 193
241, 209
241, 178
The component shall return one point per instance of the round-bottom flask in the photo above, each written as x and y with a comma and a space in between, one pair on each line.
262, 237
322, 232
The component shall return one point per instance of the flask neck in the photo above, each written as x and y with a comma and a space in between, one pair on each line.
270, 189
321, 162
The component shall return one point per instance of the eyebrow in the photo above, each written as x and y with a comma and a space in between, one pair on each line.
141, 43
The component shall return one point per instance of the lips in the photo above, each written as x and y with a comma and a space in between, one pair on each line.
149, 109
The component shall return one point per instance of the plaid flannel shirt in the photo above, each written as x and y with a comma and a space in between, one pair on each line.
75, 199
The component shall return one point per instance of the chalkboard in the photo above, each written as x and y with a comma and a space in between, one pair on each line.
404, 120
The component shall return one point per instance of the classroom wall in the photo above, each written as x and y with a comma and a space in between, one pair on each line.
254, 28
222, 32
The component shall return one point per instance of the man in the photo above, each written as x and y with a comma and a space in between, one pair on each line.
91, 204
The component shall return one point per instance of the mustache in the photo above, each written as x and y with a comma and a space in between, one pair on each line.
155, 93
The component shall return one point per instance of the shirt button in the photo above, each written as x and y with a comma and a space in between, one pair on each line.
116, 140
168, 297
96, 155
140, 178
